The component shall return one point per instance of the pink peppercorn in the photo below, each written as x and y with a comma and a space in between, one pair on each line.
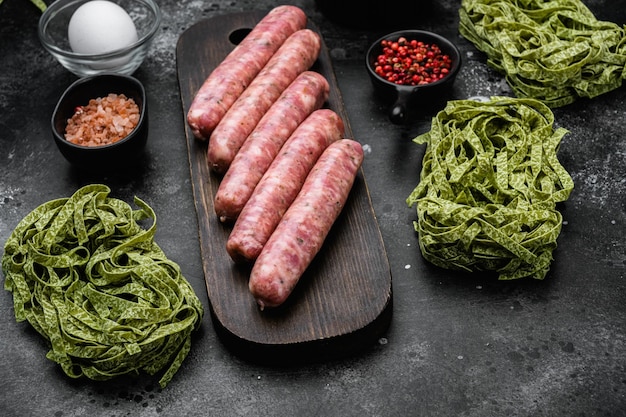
412, 62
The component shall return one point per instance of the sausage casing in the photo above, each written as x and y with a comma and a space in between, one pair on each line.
305, 94
281, 183
295, 56
228, 80
302, 230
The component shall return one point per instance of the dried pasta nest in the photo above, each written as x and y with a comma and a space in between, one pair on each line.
552, 51
489, 185
92, 281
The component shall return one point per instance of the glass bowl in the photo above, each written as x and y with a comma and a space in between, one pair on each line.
113, 157
53, 34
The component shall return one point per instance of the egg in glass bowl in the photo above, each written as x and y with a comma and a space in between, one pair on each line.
89, 37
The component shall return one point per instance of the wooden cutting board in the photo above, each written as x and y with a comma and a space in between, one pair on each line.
343, 302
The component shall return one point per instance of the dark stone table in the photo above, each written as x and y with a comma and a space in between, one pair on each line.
456, 346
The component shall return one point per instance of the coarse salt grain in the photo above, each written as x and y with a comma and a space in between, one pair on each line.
103, 121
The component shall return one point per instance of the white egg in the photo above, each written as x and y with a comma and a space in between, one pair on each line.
100, 26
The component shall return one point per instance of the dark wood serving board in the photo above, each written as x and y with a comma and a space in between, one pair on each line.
343, 302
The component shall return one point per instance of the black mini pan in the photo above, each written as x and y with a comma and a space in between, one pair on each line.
403, 96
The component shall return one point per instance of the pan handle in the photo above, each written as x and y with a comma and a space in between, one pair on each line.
398, 111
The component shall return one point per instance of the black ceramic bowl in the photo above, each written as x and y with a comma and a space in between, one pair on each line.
402, 97
115, 156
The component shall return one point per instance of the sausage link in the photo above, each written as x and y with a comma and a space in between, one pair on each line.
295, 56
304, 95
281, 183
304, 227
228, 80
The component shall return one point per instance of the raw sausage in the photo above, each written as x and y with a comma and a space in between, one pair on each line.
303, 147
227, 81
304, 227
307, 93
230, 78
295, 56
281, 183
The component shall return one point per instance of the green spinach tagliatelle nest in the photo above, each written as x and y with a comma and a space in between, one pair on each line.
553, 51
489, 185
93, 282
